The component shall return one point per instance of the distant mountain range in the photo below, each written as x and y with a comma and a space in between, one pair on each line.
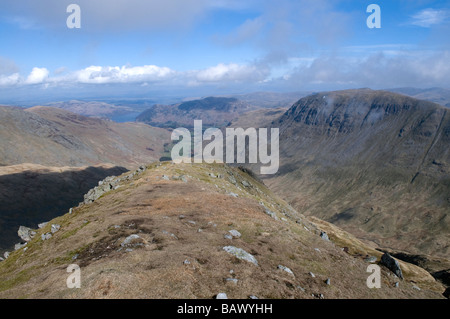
93, 108
437, 95
213, 111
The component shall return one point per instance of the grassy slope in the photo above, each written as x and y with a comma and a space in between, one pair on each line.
150, 206
55, 137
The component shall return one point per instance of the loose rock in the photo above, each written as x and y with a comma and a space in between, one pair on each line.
286, 269
232, 280
55, 228
46, 236
241, 254
42, 225
132, 241
235, 233
19, 245
26, 233
371, 259
324, 236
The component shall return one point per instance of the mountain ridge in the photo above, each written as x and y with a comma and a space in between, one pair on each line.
188, 231
352, 156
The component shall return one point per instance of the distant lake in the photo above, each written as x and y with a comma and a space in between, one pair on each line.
127, 117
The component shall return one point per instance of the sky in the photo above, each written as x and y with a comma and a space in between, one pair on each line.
147, 48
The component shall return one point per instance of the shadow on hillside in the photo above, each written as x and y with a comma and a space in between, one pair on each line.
30, 197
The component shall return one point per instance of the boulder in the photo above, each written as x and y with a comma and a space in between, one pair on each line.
42, 225
46, 236
392, 264
222, 295
19, 245
55, 228
324, 236
286, 269
246, 184
241, 254
235, 233
26, 233
371, 259
132, 241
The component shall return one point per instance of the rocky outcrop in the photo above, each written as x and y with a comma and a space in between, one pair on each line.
108, 184
392, 264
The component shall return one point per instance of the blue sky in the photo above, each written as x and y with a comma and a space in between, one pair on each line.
219, 46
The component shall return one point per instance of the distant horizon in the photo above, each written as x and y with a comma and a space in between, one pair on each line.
46, 100
176, 98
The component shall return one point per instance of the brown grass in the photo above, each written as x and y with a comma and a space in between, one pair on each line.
151, 208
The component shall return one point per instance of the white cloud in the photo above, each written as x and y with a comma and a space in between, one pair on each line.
428, 17
231, 73
124, 74
37, 76
422, 69
417, 68
9, 80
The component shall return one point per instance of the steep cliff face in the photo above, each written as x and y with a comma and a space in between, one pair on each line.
196, 231
373, 162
